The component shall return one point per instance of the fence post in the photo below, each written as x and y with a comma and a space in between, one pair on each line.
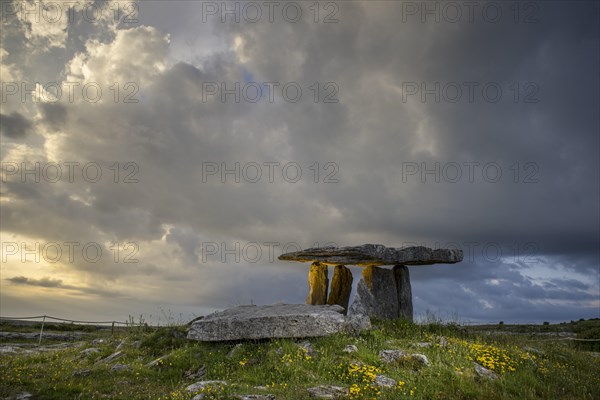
112, 330
42, 331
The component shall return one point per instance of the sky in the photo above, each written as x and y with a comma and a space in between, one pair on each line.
158, 156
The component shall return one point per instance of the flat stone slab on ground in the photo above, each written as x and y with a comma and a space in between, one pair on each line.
374, 255
276, 321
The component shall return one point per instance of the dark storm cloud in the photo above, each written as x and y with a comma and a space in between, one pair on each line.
15, 125
55, 115
58, 284
546, 230
44, 282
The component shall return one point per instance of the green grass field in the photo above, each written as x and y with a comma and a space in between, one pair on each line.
529, 360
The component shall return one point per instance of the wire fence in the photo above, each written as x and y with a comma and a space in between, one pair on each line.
45, 318
117, 324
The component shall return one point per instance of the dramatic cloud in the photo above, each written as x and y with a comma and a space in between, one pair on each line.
14, 125
165, 158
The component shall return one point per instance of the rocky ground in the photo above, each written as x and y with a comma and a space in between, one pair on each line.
394, 360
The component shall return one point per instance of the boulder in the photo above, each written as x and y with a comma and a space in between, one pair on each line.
404, 292
376, 294
390, 356
484, 372
276, 321
341, 286
385, 382
375, 255
318, 283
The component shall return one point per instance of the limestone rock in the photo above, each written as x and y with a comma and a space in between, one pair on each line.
318, 283
404, 292
422, 359
390, 356
276, 321
376, 294
350, 349
358, 323
70, 336
91, 350
328, 392
255, 397
112, 357
341, 286
120, 367
234, 350
197, 374
195, 387
484, 372
159, 361
307, 348
384, 382
375, 254
422, 344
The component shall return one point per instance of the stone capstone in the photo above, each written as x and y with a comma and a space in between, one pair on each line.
375, 255
276, 321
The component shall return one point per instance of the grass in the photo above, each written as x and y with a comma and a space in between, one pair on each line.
528, 365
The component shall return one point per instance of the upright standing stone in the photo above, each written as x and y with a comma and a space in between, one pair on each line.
341, 286
376, 294
317, 284
405, 307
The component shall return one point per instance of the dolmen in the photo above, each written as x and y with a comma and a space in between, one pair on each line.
382, 293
